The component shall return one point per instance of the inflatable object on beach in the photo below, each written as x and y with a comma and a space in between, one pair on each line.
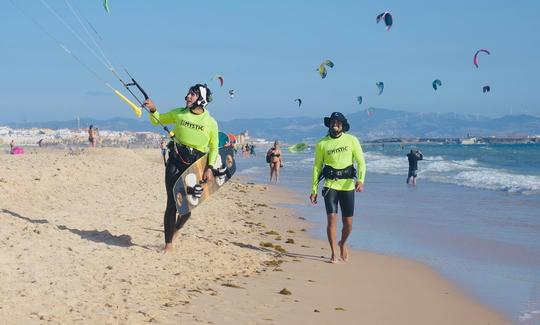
380, 87
436, 83
223, 139
486, 89
387, 17
299, 147
475, 57
299, 101
322, 68
17, 151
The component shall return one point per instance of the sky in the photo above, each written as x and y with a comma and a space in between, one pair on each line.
268, 52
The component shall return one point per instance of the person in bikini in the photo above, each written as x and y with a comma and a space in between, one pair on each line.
273, 158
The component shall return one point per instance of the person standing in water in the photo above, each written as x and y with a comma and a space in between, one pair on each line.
196, 133
335, 155
414, 156
274, 159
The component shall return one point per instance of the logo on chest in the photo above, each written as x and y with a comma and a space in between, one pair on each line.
337, 150
192, 125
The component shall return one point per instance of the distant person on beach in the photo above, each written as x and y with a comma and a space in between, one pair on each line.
274, 159
413, 157
335, 155
15, 150
252, 150
196, 133
163, 146
92, 136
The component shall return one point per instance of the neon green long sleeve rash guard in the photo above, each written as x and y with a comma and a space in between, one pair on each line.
196, 131
338, 153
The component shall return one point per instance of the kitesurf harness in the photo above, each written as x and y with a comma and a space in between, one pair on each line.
332, 173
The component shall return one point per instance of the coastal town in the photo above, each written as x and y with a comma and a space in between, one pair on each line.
64, 138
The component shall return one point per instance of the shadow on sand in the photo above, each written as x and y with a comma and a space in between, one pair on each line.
295, 255
92, 235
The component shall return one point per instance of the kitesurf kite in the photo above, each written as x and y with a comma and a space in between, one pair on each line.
322, 68
475, 57
106, 6
299, 101
380, 87
486, 89
359, 99
219, 78
299, 147
387, 17
436, 83
231, 93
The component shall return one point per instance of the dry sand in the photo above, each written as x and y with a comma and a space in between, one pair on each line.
81, 239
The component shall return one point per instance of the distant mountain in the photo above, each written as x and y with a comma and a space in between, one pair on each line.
379, 123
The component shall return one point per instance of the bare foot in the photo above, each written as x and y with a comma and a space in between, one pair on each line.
168, 248
344, 254
333, 260
176, 232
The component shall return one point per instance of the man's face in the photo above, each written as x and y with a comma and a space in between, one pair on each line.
191, 99
336, 126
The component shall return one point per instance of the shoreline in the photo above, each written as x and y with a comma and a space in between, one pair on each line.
395, 290
82, 236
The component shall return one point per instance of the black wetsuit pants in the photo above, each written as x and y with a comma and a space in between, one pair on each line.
179, 160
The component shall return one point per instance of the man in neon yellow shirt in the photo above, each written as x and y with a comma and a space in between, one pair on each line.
195, 134
335, 155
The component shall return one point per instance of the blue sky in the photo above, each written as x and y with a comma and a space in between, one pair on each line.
268, 52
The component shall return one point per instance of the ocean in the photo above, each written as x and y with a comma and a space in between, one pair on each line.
474, 215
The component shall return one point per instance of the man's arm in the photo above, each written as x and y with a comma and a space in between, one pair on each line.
317, 167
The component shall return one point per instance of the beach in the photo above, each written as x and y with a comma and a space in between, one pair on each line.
81, 242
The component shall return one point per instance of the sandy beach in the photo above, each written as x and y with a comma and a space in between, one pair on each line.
81, 241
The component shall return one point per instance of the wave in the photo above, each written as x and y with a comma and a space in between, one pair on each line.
468, 172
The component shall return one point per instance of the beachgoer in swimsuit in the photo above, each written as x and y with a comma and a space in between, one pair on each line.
92, 134
273, 158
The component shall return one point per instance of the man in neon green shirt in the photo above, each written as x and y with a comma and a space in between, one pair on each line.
335, 155
195, 134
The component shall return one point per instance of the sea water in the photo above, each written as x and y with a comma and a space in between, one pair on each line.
474, 215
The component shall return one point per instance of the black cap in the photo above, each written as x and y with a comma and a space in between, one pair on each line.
339, 117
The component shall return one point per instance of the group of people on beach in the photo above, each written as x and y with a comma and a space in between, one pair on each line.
339, 161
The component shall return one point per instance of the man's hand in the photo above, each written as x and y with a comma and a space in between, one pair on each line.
359, 187
150, 105
313, 198
208, 175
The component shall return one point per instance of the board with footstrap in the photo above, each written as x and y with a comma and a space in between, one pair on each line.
190, 191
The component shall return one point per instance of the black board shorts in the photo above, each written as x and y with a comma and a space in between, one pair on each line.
345, 199
412, 173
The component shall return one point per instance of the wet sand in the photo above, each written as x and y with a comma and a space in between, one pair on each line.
81, 242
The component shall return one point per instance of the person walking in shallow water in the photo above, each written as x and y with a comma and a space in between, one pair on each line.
335, 155
414, 156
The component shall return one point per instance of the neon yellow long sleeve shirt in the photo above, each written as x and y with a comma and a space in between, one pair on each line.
196, 131
338, 153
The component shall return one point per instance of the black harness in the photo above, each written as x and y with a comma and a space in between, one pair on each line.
330, 172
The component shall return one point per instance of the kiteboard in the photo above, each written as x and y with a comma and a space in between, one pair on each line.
190, 191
